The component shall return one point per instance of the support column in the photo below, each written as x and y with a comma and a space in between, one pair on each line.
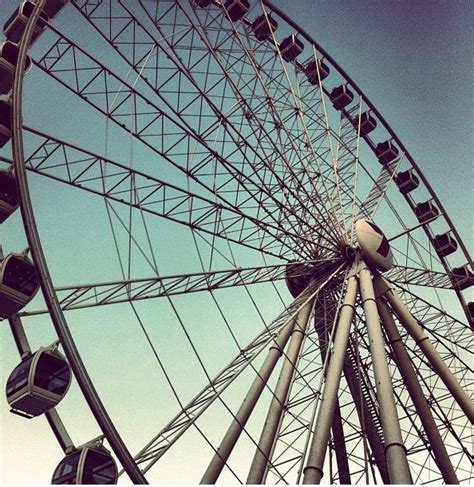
395, 452
52, 415
417, 333
271, 427
421, 404
238, 423
313, 471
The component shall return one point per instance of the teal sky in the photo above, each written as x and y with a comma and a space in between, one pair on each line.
414, 61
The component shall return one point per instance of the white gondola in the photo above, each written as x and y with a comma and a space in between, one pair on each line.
312, 69
87, 465
8, 58
386, 152
341, 96
236, 9
426, 211
444, 244
5, 122
407, 181
38, 383
16, 24
262, 28
290, 48
18, 283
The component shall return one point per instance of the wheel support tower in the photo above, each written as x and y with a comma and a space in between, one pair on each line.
375, 297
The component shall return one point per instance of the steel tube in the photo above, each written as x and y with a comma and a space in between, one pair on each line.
417, 333
313, 471
269, 434
416, 393
241, 417
395, 452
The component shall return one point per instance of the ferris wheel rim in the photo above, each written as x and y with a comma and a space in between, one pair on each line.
413, 163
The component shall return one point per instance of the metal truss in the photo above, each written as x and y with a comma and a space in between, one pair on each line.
106, 293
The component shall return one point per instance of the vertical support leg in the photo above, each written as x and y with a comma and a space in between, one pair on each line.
313, 471
416, 332
395, 453
238, 423
421, 404
269, 434
52, 415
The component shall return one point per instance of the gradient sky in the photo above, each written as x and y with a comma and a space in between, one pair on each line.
414, 61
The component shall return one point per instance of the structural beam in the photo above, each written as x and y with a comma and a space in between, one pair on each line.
272, 424
313, 471
417, 333
395, 451
241, 417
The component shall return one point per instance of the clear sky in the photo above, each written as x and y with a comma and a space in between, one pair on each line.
414, 61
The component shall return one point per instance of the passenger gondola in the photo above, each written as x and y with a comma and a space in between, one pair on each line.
9, 52
18, 283
262, 28
470, 311
444, 244
5, 122
236, 9
312, 70
290, 48
407, 181
202, 3
426, 211
86, 465
9, 200
386, 152
16, 24
367, 123
462, 277
53, 7
341, 97
38, 383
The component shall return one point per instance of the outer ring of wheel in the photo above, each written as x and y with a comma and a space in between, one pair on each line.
46, 282
90, 394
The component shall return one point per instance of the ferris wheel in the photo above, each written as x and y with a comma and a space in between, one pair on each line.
245, 276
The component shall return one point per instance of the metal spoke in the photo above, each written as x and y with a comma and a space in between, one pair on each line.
101, 294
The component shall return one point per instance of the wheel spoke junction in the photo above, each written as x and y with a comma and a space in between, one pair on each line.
217, 180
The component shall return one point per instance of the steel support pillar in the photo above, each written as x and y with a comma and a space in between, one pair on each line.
395, 452
271, 427
52, 415
414, 389
417, 333
313, 471
241, 417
